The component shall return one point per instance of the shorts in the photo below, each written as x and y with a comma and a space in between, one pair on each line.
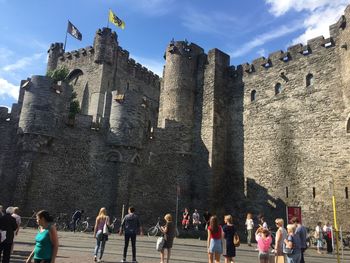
264, 255
215, 246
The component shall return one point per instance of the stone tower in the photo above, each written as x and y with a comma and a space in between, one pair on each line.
54, 52
180, 83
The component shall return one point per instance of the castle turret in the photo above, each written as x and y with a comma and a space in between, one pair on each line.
180, 82
105, 45
3, 113
127, 120
41, 109
55, 51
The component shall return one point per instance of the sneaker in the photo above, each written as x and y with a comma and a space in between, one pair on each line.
95, 258
123, 260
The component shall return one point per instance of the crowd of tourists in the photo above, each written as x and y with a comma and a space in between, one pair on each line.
222, 240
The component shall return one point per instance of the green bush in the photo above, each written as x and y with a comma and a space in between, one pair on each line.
74, 106
58, 74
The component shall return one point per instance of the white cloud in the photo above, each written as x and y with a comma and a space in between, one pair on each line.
318, 23
264, 38
5, 54
153, 65
23, 62
262, 52
280, 7
207, 22
320, 14
8, 89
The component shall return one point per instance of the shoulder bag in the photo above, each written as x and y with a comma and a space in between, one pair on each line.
236, 241
106, 230
160, 243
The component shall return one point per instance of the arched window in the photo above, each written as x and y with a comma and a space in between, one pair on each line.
278, 88
114, 156
253, 95
74, 75
309, 80
348, 126
136, 159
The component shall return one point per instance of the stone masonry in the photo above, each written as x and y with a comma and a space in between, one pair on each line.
253, 138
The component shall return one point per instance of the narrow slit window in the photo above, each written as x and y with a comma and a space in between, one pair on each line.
346, 193
278, 88
287, 194
348, 126
313, 192
309, 80
253, 95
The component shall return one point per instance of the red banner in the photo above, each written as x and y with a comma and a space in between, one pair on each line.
293, 211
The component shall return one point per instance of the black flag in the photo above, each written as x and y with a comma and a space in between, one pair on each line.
74, 31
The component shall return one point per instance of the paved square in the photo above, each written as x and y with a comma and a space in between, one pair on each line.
79, 247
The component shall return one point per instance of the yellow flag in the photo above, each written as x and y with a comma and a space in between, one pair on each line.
116, 20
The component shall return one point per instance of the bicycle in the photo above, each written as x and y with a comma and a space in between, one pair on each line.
115, 225
154, 230
31, 222
62, 222
82, 226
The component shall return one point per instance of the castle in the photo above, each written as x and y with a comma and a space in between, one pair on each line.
257, 137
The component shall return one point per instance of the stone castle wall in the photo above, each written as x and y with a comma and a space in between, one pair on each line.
295, 138
256, 137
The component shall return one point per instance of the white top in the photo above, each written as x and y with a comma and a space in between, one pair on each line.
195, 217
18, 219
250, 224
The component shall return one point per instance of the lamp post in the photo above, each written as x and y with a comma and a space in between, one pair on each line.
331, 184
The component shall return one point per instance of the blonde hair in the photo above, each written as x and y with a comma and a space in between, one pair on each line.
102, 214
249, 216
291, 228
279, 222
168, 218
228, 218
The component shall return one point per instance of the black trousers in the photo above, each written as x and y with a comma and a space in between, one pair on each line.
127, 237
5, 252
329, 244
302, 255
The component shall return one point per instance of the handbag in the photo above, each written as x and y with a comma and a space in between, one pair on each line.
287, 250
160, 243
106, 230
236, 241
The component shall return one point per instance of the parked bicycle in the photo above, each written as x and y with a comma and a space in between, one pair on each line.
83, 226
63, 222
115, 225
154, 230
31, 221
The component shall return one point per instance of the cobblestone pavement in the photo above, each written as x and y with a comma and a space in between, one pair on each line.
78, 247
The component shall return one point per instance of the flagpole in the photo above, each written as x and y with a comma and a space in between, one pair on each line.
108, 18
65, 41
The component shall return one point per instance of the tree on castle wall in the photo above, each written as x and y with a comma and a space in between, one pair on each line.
74, 108
59, 74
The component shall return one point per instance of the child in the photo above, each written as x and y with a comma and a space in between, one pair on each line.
264, 240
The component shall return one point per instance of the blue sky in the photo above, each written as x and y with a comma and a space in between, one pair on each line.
244, 29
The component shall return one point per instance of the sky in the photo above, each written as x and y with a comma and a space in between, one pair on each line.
244, 29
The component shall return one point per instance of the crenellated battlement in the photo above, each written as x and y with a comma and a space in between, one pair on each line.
314, 46
184, 48
78, 54
136, 69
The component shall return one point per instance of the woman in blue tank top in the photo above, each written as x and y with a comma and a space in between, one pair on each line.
46, 240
